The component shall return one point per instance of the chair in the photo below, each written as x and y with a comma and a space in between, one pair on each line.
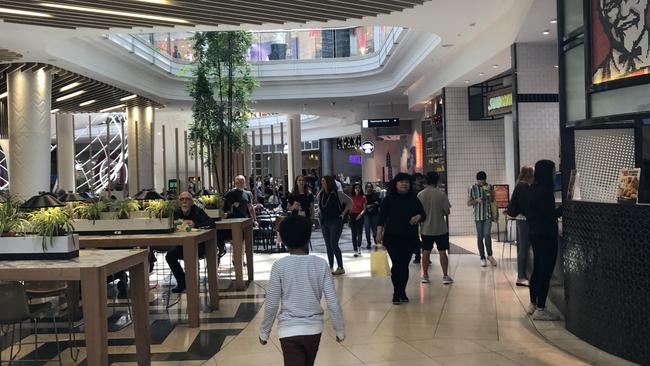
16, 310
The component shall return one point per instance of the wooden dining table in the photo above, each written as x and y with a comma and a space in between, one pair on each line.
91, 268
190, 242
242, 240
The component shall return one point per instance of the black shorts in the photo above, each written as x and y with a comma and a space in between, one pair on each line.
442, 242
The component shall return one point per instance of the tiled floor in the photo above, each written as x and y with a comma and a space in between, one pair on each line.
479, 320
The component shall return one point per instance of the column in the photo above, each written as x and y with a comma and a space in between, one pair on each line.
368, 166
65, 164
511, 169
327, 156
140, 165
29, 104
295, 149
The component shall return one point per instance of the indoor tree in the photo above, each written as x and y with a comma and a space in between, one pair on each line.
221, 89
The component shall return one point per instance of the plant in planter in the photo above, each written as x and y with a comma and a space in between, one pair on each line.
213, 202
12, 220
124, 207
161, 209
91, 210
49, 223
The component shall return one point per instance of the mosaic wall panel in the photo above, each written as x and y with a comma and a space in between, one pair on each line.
600, 156
607, 287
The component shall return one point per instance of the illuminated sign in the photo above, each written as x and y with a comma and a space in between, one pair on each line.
499, 102
368, 147
380, 122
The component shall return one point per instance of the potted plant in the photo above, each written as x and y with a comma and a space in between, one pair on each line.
90, 210
12, 220
213, 205
161, 209
124, 207
124, 218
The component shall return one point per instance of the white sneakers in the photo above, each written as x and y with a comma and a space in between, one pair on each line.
531, 308
492, 261
425, 279
545, 315
483, 263
447, 280
338, 271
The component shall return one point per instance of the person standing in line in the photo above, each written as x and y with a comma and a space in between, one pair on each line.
357, 212
298, 282
480, 197
333, 205
434, 228
542, 216
517, 209
399, 216
372, 213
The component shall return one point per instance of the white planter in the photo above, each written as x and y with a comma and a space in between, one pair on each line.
127, 226
31, 247
214, 213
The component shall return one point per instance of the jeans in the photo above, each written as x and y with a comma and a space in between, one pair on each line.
173, 256
332, 229
484, 236
544, 257
300, 350
370, 224
356, 226
523, 248
400, 250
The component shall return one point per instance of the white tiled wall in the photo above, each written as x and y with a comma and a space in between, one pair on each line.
472, 146
536, 73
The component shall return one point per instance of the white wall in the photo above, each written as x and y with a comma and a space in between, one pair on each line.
472, 146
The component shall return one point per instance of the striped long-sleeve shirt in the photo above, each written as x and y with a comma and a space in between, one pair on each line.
300, 281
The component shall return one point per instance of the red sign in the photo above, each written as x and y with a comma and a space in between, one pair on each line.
501, 195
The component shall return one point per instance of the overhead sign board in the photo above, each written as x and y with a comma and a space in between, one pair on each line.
380, 122
499, 102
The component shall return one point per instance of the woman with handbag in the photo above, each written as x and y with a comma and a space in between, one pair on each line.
372, 213
401, 212
333, 205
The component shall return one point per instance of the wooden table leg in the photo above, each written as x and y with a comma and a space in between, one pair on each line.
238, 248
248, 237
190, 256
140, 301
93, 291
213, 279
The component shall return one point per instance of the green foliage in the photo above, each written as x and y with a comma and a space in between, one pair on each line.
124, 207
91, 210
161, 208
11, 218
212, 202
49, 223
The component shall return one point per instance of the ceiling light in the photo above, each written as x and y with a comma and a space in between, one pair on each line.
481, 73
23, 12
113, 12
163, 2
111, 108
546, 32
495, 66
69, 96
3, 95
466, 81
553, 21
54, 110
128, 98
556, 66
70, 86
87, 103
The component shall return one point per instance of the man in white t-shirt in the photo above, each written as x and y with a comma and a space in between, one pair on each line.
434, 228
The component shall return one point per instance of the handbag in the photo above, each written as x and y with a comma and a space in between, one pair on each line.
379, 266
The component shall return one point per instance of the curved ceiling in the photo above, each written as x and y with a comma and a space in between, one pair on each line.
105, 14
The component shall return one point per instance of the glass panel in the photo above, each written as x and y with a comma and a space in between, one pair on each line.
181, 46
574, 63
619, 101
573, 15
161, 42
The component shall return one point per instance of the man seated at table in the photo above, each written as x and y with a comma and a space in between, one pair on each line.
238, 203
193, 216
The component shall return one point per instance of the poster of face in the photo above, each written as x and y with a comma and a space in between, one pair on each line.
620, 45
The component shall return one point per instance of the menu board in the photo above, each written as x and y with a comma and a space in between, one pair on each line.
628, 185
501, 195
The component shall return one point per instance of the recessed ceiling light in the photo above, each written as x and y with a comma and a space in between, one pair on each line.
111, 108
128, 98
24, 12
495, 66
447, 45
556, 66
481, 73
87, 103
71, 95
113, 12
546, 32
466, 81
70, 86
54, 110
553, 21
3, 95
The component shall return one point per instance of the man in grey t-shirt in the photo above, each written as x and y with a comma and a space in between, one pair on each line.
434, 228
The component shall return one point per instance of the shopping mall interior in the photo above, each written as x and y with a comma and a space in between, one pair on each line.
160, 161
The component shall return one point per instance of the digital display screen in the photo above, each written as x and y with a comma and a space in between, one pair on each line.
380, 122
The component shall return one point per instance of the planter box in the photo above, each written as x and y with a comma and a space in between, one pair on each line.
215, 214
31, 247
127, 226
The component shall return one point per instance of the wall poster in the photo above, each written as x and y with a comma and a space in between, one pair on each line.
501, 195
628, 186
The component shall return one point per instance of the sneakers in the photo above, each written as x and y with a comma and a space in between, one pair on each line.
403, 298
483, 263
522, 282
339, 271
493, 261
359, 251
545, 315
355, 254
447, 280
531, 308
425, 279
396, 300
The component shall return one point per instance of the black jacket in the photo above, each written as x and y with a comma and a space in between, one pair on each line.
519, 200
541, 212
197, 215
396, 212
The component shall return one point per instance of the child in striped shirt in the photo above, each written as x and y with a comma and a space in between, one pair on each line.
300, 280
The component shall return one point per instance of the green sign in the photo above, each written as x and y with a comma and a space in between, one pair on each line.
500, 104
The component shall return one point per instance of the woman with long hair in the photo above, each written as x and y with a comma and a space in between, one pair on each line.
333, 205
301, 199
401, 212
517, 209
542, 215
356, 217
371, 214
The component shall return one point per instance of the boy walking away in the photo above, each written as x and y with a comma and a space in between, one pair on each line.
299, 281
480, 197
434, 228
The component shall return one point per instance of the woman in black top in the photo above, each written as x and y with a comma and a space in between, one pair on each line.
333, 205
372, 213
542, 215
300, 198
517, 209
401, 212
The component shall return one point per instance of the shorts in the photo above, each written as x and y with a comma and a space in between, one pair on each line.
442, 242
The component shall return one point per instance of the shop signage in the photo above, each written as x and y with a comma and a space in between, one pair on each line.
380, 122
499, 102
501, 195
368, 147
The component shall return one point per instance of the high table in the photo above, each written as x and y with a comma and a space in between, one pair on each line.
242, 237
91, 268
190, 242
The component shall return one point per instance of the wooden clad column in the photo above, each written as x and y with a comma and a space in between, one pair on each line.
283, 164
254, 157
203, 180
137, 159
187, 162
196, 166
108, 158
261, 154
179, 188
164, 160
272, 150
